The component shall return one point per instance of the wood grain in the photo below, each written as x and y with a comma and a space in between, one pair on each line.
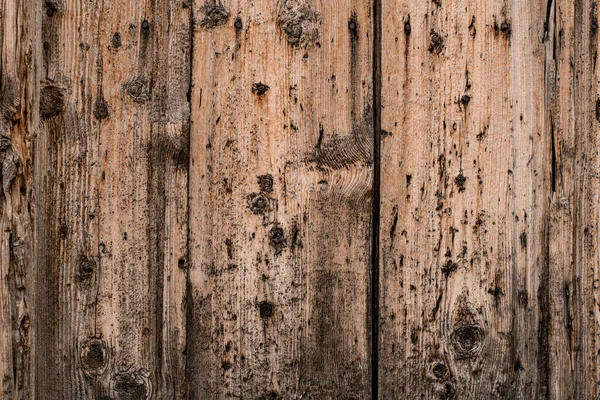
281, 180
299, 199
573, 112
466, 177
19, 118
111, 197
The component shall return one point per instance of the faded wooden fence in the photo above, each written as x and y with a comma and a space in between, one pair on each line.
299, 199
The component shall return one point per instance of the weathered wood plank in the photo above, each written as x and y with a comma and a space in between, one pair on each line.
280, 199
573, 115
19, 76
111, 197
466, 177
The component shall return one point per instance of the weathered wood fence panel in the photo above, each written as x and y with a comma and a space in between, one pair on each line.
280, 200
299, 199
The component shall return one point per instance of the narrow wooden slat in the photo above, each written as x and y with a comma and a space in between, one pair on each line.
111, 198
585, 293
19, 76
574, 116
466, 178
280, 200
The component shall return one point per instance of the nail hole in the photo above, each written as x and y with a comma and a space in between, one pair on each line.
238, 23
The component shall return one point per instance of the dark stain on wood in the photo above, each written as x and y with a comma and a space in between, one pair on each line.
265, 309
460, 182
238, 24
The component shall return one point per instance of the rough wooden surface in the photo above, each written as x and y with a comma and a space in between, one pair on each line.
194, 192
488, 223
280, 200
111, 200
19, 120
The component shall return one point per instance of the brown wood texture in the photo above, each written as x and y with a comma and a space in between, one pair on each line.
488, 221
299, 199
281, 180
111, 201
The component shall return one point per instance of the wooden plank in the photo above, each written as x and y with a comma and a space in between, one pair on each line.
466, 178
574, 115
19, 75
280, 199
111, 207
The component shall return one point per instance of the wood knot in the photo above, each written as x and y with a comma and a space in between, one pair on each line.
467, 337
86, 268
259, 88
4, 142
52, 101
437, 369
25, 323
215, 14
442, 378
436, 43
131, 386
266, 183
440, 370
116, 41
100, 108
299, 22
258, 203
137, 90
446, 391
277, 239
468, 340
94, 357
